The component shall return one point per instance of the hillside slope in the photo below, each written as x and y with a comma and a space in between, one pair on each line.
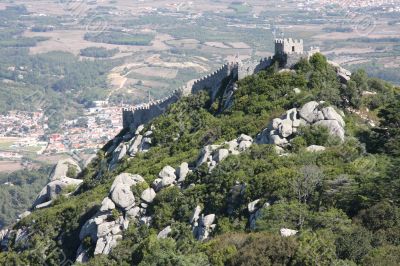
289, 172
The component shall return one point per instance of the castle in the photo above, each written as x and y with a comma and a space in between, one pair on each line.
287, 51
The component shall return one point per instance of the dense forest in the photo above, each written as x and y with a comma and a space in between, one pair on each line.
99, 52
344, 201
18, 190
121, 38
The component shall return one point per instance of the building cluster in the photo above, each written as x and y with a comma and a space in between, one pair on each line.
385, 6
30, 129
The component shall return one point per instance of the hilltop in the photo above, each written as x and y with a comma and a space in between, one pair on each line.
295, 164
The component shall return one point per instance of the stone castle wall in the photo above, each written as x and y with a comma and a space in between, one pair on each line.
133, 117
213, 81
288, 49
250, 68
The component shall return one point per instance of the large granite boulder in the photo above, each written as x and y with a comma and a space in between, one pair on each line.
107, 204
167, 176
148, 195
127, 179
61, 169
331, 114
286, 128
333, 127
122, 196
182, 171
220, 155
55, 188
309, 111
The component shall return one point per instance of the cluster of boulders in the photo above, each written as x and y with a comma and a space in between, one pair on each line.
214, 154
117, 209
169, 176
130, 144
281, 130
104, 228
202, 225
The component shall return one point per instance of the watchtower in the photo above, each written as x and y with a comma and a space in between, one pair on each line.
288, 46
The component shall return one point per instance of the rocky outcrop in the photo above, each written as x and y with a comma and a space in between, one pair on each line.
130, 144
202, 226
148, 195
122, 196
182, 171
214, 154
105, 228
281, 130
205, 226
61, 169
55, 188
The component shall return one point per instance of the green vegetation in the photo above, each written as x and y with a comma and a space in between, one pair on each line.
344, 201
121, 38
57, 82
18, 191
99, 52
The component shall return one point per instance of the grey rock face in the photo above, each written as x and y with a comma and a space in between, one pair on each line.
139, 129
208, 220
82, 255
135, 145
220, 155
182, 171
167, 176
196, 214
167, 171
133, 213
55, 188
277, 140
164, 233
126, 179
107, 204
24, 214
309, 112
244, 137
244, 145
204, 228
123, 196
333, 126
285, 232
148, 195
331, 114
285, 128
61, 169
157, 184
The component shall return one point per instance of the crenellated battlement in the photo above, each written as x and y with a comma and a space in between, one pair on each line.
289, 49
289, 46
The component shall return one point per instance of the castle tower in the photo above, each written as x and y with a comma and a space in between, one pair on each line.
288, 46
